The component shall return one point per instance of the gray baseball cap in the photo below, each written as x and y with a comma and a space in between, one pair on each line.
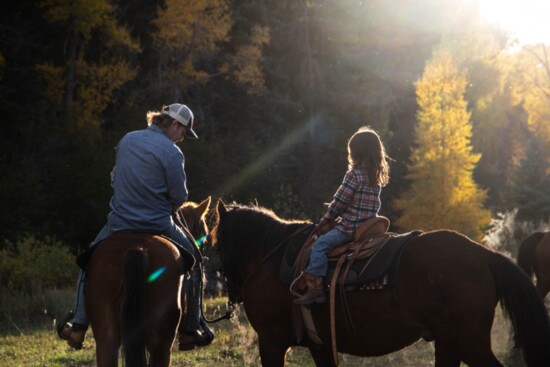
182, 114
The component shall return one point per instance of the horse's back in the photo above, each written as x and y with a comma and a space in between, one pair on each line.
445, 257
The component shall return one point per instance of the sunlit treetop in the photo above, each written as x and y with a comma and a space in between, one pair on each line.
525, 20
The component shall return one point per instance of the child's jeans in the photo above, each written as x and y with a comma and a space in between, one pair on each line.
318, 261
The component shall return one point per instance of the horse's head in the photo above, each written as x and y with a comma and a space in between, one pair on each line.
192, 215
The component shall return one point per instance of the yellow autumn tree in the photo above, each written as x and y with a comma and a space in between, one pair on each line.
528, 81
245, 66
97, 50
443, 193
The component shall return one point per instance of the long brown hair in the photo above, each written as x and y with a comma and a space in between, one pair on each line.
366, 152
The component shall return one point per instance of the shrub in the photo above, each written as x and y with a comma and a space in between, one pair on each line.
31, 266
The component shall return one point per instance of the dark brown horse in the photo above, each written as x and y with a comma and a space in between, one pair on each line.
534, 257
133, 293
447, 291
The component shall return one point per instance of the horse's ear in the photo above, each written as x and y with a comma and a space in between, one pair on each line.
202, 208
220, 208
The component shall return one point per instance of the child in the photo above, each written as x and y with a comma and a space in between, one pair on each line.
357, 199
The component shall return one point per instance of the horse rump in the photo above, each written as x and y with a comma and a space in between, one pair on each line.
526, 253
133, 307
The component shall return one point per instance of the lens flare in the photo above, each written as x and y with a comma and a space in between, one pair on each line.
200, 241
154, 275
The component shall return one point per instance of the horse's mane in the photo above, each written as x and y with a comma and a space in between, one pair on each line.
249, 230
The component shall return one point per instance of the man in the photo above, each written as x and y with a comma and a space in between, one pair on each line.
150, 183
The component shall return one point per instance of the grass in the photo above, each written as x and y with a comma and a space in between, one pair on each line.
36, 345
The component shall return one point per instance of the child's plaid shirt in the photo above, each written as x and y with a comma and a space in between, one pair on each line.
355, 201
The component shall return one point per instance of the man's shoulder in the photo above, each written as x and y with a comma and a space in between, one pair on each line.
147, 136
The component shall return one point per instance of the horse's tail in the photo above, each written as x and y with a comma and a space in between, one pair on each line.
526, 253
133, 308
525, 308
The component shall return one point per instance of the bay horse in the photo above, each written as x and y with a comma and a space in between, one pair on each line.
447, 291
534, 257
132, 294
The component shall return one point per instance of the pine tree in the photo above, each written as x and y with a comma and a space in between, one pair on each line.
443, 193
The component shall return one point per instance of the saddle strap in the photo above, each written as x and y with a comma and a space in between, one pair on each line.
332, 306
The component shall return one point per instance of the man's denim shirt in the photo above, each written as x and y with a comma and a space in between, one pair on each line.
149, 181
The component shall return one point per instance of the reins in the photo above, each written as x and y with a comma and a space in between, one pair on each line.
275, 249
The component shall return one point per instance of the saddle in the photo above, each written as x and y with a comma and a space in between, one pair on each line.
366, 259
370, 261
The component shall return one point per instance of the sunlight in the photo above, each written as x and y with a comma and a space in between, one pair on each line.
526, 20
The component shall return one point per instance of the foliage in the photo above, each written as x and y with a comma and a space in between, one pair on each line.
33, 265
277, 87
287, 205
443, 193
245, 66
529, 75
188, 32
97, 62
529, 188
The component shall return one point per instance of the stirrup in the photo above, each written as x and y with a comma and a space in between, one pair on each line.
60, 324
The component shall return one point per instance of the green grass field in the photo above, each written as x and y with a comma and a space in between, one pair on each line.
36, 345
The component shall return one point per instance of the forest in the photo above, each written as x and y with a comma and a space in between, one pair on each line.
277, 88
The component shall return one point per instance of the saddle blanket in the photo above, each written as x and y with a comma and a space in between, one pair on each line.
381, 272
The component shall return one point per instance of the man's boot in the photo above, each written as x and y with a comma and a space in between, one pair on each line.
74, 334
315, 292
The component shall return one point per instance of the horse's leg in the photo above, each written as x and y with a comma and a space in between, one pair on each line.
444, 355
470, 344
160, 343
163, 322
106, 349
483, 357
272, 350
322, 356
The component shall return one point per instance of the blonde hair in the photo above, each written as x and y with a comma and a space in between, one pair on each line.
158, 118
366, 152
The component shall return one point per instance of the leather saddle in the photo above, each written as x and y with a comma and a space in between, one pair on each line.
371, 256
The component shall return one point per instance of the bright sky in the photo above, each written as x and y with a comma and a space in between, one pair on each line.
528, 20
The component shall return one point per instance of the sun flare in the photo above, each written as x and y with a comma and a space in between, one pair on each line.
526, 20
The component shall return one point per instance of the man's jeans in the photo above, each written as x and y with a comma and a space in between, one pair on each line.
318, 261
192, 286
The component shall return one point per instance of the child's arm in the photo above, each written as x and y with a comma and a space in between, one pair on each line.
343, 196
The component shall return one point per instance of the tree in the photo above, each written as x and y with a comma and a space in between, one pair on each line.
529, 190
443, 193
529, 78
97, 61
189, 36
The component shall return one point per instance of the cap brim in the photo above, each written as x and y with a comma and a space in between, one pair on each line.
191, 134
